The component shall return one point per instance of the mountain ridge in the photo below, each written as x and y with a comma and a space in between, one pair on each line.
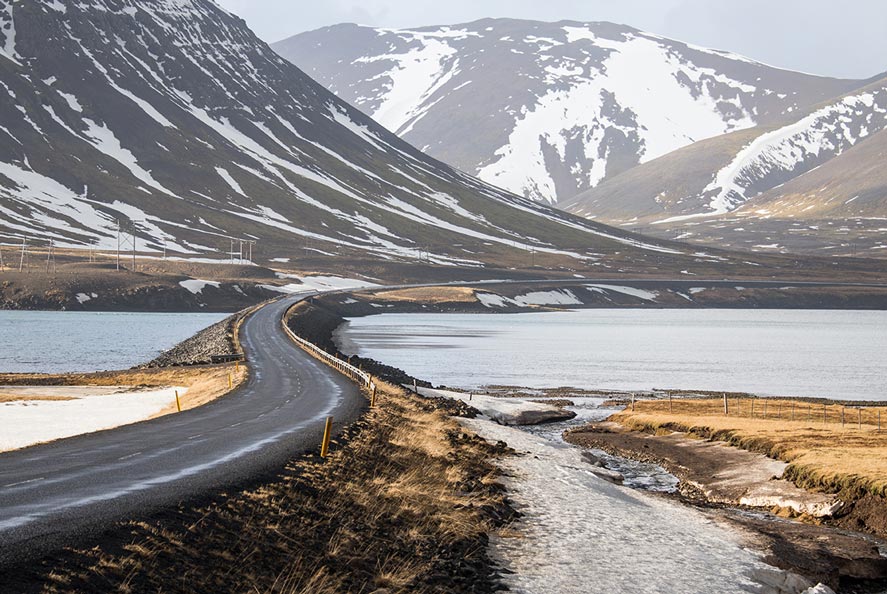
536, 83
172, 117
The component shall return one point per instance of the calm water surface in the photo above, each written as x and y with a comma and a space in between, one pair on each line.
835, 354
64, 341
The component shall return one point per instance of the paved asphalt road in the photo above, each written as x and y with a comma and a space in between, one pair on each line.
51, 493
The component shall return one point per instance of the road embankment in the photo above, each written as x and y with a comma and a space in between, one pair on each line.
404, 503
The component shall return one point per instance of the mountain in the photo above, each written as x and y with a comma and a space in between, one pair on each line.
172, 120
548, 110
824, 167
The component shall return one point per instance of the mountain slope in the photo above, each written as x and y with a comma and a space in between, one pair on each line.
719, 175
549, 109
851, 185
170, 116
754, 188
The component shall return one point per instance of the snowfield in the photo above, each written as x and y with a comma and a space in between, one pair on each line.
28, 422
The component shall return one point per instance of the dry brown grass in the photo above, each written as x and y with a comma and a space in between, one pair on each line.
429, 295
12, 397
822, 453
399, 504
204, 383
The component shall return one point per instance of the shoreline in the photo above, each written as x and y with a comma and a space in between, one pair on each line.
316, 321
781, 546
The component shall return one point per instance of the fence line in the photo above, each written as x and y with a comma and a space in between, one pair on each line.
770, 409
342, 367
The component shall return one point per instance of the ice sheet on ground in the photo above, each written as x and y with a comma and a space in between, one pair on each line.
581, 534
28, 422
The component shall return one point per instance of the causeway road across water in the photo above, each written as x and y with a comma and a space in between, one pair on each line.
52, 493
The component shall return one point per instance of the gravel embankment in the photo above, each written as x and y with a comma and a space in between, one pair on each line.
217, 339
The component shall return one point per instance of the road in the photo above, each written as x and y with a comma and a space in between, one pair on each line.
52, 493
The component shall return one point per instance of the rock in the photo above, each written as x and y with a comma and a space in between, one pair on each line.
608, 475
819, 589
535, 417
217, 339
785, 582
593, 460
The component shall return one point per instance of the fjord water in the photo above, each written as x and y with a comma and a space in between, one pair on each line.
65, 341
810, 353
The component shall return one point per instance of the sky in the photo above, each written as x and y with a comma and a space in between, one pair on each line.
844, 38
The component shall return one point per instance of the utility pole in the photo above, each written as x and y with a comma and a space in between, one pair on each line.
50, 258
118, 245
124, 238
21, 262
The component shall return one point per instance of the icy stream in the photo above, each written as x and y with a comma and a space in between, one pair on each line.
638, 475
581, 534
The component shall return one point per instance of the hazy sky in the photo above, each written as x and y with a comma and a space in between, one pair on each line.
832, 37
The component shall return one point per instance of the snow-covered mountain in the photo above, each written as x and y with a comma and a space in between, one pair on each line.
723, 174
548, 110
172, 117
755, 188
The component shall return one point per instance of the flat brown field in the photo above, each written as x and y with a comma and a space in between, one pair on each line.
429, 295
828, 446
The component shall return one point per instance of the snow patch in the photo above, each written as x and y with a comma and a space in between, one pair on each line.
631, 291
560, 297
28, 422
196, 286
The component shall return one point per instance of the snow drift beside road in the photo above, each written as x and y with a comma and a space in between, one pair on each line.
28, 422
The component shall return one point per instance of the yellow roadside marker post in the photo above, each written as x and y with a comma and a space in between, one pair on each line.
178, 402
230, 381
325, 444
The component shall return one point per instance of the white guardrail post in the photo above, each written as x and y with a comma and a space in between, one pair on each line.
342, 367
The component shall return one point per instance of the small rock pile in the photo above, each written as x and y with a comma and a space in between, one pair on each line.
217, 339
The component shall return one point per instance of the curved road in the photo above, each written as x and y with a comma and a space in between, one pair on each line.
51, 493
